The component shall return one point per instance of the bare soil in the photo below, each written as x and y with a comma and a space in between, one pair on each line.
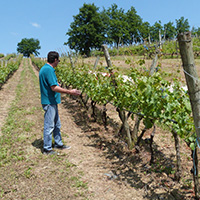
99, 164
171, 66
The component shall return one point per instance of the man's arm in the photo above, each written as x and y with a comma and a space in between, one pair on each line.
59, 89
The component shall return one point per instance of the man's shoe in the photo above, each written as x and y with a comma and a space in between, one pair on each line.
62, 147
51, 152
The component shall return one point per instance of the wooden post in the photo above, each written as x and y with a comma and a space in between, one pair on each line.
149, 38
153, 65
109, 64
107, 56
191, 76
121, 113
193, 84
71, 61
96, 62
160, 40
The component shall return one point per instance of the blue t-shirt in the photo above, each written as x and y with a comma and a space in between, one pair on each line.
47, 78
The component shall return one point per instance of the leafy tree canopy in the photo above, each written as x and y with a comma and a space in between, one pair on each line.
118, 25
182, 25
155, 30
113, 26
144, 31
28, 47
134, 24
196, 31
86, 32
169, 31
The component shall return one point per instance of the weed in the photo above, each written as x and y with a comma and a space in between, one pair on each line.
78, 183
28, 173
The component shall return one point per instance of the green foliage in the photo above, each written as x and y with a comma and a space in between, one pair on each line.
170, 31
9, 69
28, 47
86, 32
134, 24
9, 56
195, 31
148, 96
170, 49
196, 46
1, 55
182, 25
144, 30
37, 61
115, 27
154, 31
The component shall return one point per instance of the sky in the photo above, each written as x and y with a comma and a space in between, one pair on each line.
49, 20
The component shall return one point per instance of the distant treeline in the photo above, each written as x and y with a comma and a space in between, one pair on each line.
113, 26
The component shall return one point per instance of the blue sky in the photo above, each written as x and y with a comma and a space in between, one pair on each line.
49, 20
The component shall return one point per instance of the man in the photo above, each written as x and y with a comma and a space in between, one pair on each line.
50, 98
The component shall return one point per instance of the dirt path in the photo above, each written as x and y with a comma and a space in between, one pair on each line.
83, 172
90, 160
98, 171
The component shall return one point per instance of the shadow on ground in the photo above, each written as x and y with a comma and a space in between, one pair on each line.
38, 143
157, 180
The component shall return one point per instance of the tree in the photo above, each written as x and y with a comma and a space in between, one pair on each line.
28, 47
144, 30
134, 23
107, 27
86, 32
118, 26
155, 29
182, 25
195, 31
169, 31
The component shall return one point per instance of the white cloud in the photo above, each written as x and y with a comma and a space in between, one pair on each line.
14, 33
36, 25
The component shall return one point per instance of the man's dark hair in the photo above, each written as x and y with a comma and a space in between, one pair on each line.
52, 55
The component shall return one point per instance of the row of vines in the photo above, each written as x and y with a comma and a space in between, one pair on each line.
170, 49
146, 99
8, 68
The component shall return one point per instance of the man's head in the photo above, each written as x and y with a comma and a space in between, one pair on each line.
52, 57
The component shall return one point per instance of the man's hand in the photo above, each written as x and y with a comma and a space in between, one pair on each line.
59, 89
75, 92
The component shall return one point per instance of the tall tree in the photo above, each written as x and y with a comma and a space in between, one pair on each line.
134, 23
169, 31
28, 47
107, 27
86, 32
195, 31
182, 25
144, 30
155, 29
118, 26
